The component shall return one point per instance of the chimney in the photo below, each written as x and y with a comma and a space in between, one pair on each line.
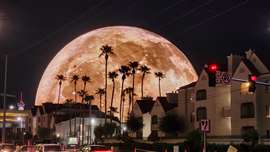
233, 61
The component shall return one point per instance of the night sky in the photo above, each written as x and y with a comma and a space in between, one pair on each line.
33, 31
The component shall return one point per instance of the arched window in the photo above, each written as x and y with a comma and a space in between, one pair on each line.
201, 95
247, 110
201, 113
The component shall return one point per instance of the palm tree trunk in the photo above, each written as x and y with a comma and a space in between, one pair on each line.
123, 110
159, 87
106, 62
129, 101
59, 91
82, 116
133, 89
100, 98
75, 91
121, 97
142, 86
112, 100
90, 125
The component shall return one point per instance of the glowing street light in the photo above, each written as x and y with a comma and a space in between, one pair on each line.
11, 107
93, 121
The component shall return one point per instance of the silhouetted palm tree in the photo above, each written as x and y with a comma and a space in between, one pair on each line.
112, 75
160, 76
145, 70
124, 71
69, 103
74, 79
86, 79
88, 99
106, 50
60, 78
134, 67
100, 92
128, 91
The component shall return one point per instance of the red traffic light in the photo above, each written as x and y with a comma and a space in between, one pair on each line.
253, 78
213, 67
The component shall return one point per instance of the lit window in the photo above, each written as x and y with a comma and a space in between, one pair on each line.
201, 95
247, 110
244, 88
201, 113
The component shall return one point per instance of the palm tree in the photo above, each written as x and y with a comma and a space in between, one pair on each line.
128, 91
145, 70
69, 102
112, 75
82, 94
86, 79
124, 71
134, 67
100, 92
106, 50
88, 99
60, 78
160, 76
74, 79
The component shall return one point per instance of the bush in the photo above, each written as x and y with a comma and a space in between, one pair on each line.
194, 141
172, 124
134, 124
105, 130
251, 136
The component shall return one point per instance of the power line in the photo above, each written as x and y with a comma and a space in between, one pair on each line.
187, 13
215, 16
38, 42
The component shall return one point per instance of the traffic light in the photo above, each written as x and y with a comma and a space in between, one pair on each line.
212, 70
252, 83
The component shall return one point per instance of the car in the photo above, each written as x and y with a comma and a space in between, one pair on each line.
7, 147
48, 148
95, 148
28, 149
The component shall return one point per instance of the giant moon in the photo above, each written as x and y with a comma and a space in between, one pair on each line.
81, 56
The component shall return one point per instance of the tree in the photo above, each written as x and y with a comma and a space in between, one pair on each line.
100, 92
134, 124
112, 75
75, 79
128, 91
134, 67
124, 71
69, 102
160, 76
60, 78
144, 70
172, 124
194, 140
106, 50
251, 136
86, 79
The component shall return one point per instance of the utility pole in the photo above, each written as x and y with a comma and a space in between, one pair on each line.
4, 103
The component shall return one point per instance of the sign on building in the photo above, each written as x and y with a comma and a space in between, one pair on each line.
205, 125
223, 77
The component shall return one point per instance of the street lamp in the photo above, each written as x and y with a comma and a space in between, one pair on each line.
92, 121
11, 107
